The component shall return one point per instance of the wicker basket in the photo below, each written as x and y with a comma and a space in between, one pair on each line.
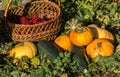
47, 30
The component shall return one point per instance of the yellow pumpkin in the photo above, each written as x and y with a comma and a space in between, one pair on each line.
63, 41
101, 32
81, 36
99, 47
28, 49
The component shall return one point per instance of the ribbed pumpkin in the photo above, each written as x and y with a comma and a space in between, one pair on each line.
81, 36
100, 47
28, 49
63, 41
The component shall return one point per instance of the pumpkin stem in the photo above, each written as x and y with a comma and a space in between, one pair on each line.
99, 44
80, 29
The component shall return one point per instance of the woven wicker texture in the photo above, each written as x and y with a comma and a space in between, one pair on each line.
47, 30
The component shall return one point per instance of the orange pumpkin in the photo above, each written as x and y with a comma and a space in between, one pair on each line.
81, 36
101, 32
100, 47
63, 41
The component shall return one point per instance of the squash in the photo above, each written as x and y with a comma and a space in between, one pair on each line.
71, 24
63, 41
81, 36
48, 48
101, 32
23, 49
100, 47
78, 53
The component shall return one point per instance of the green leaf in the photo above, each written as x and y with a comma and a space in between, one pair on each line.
62, 0
112, 12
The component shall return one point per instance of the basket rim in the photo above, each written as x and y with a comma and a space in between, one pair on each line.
54, 4
51, 2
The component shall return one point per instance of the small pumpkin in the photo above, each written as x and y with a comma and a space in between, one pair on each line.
28, 49
100, 47
63, 41
81, 36
101, 32
71, 24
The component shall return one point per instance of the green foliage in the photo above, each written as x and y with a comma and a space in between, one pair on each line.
62, 64
69, 9
46, 68
92, 11
5, 47
108, 13
16, 2
117, 35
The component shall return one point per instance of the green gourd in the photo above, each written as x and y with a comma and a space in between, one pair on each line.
78, 54
48, 48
